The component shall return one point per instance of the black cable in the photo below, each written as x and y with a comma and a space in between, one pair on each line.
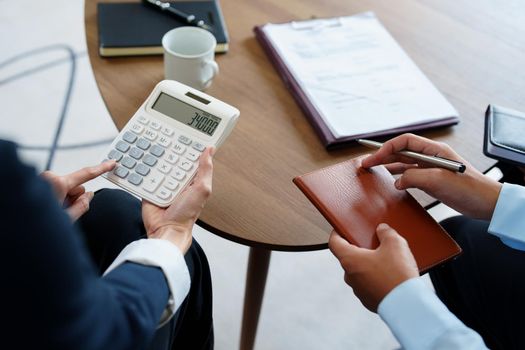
36, 69
65, 104
72, 57
66, 147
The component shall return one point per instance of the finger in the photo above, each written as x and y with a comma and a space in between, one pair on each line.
76, 191
399, 168
89, 173
348, 278
56, 181
48, 175
74, 194
389, 237
385, 232
80, 206
201, 186
341, 248
206, 165
408, 142
428, 180
389, 159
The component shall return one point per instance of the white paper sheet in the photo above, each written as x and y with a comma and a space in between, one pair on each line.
356, 75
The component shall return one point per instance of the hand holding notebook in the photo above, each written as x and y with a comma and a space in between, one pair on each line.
356, 200
373, 274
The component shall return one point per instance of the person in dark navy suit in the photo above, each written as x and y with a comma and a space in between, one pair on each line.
100, 271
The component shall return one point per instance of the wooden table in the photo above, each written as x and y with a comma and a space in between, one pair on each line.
473, 51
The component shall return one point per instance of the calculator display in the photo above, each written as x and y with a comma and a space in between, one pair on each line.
187, 114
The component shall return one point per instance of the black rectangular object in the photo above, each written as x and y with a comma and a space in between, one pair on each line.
504, 135
134, 29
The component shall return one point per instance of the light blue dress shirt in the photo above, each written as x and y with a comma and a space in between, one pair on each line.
416, 316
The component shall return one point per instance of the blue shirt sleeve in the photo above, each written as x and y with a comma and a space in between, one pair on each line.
419, 320
508, 220
416, 316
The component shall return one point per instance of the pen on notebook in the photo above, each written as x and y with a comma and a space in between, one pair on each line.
188, 18
434, 160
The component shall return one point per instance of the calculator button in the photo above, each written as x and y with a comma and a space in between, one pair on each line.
171, 184
167, 131
178, 148
122, 146
155, 125
142, 119
136, 153
172, 158
121, 172
198, 146
157, 151
192, 155
186, 165
142, 169
179, 174
150, 135
114, 154
129, 162
149, 160
153, 181
185, 140
143, 144
164, 193
135, 179
164, 141
137, 128
129, 137
164, 167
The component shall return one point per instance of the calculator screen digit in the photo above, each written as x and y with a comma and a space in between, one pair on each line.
186, 114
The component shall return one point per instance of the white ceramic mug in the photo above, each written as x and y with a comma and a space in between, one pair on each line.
189, 56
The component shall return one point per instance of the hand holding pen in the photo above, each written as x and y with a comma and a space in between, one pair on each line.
469, 192
433, 160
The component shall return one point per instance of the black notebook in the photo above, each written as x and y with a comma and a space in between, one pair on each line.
133, 29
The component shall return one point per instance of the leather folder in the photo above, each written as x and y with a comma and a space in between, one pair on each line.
312, 113
504, 129
356, 200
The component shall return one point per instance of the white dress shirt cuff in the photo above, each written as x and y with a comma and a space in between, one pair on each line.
508, 221
166, 256
416, 316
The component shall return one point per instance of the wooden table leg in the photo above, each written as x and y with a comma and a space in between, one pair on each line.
258, 263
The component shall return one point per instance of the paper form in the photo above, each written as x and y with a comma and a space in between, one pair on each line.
356, 75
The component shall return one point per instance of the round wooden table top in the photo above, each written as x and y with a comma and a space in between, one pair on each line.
472, 51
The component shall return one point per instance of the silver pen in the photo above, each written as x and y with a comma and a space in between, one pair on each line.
188, 18
434, 160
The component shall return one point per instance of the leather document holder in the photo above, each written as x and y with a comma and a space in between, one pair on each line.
356, 200
504, 130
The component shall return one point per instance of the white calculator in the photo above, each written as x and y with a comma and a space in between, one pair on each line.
159, 148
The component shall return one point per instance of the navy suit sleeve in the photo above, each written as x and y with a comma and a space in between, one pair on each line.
51, 294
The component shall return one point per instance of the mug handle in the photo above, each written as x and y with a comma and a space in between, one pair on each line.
215, 70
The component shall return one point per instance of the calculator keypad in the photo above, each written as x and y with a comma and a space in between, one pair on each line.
152, 157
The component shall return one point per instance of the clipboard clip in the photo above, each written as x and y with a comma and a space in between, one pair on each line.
317, 24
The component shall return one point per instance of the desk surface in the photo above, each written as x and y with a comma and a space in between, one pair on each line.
473, 51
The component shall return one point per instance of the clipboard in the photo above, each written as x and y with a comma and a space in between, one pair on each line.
290, 46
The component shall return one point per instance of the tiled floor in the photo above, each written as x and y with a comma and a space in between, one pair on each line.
306, 305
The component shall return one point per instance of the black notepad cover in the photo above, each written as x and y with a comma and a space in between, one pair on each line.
504, 130
137, 29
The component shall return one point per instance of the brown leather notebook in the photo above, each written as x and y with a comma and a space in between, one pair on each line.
355, 200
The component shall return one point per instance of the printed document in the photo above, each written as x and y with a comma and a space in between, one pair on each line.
356, 75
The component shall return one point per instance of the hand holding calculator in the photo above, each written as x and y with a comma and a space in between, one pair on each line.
158, 149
